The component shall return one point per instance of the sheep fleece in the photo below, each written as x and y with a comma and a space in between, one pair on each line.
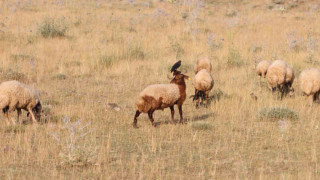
262, 67
289, 75
202, 63
310, 81
203, 81
276, 73
157, 96
17, 95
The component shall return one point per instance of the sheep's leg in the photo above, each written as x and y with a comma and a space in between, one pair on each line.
150, 114
32, 116
180, 112
260, 89
311, 99
195, 94
136, 119
6, 114
282, 91
207, 97
19, 114
8, 117
172, 113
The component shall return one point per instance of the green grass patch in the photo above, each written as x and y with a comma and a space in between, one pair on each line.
276, 113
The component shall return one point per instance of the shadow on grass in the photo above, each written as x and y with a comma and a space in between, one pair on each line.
186, 120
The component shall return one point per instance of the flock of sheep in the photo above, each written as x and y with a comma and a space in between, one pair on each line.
161, 96
279, 75
15, 95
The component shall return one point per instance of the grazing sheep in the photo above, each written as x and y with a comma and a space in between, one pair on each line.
310, 83
203, 83
161, 96
262, 68
15, 95
276, 76
289, 79
202, 63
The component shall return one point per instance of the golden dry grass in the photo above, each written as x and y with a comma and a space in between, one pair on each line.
114, 49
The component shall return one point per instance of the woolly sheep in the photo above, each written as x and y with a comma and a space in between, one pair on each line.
310, 83
202, 63
161, 96
289, 79
262, 68
16, 95
276, 76
203, 83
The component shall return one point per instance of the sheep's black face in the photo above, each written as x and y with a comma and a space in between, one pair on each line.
37, 111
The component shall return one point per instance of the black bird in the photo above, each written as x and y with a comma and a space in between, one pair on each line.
176, 66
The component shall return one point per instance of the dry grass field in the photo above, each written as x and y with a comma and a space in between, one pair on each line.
84, 54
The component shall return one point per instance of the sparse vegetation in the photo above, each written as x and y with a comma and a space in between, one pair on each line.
52, 28
83, 54
234, 58
277, 113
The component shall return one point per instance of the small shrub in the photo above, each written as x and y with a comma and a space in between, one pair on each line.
12, 75
59, 76
176, 47
52, 28
217, 94
234, 59
72, 63
231, 14
50, 102
277, 113
15, 129
20, 57
106, 61
184, 15
75, 147
136, 53
201, 125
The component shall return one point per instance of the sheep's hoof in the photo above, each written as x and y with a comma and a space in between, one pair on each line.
135, 125
154, 124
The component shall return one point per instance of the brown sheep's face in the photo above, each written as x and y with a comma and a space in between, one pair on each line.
179, 78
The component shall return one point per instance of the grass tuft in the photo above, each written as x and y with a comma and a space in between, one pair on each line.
52, 28
276, 113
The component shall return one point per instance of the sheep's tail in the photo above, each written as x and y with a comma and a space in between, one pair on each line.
142, 105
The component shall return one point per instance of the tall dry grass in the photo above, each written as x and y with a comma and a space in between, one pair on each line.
111, 50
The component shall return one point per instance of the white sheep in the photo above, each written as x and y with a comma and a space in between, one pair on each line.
161, 96
15, 95
276, 76
310, 83
203, 83
262, 68
202, 63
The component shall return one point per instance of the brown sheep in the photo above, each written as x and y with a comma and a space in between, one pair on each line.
161, 96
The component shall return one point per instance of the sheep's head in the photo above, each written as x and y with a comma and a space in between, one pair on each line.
37, 111
178, 78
